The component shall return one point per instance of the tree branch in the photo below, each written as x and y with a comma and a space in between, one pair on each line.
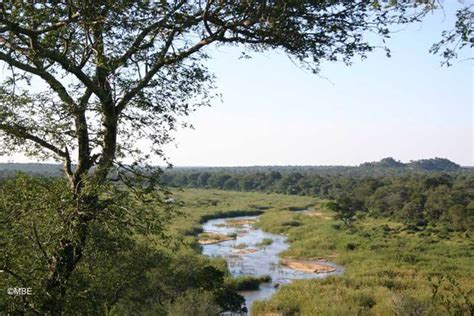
46, 76
135, 47
59, 58
40, 246
20, 131
163, 61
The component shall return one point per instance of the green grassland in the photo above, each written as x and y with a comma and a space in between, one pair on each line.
199, 205
389, 270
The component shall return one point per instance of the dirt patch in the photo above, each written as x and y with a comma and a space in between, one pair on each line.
244, 251
241, 246
317, 214
208, 238
309, 266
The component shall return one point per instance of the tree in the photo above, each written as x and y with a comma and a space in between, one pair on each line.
345, 208
116, 72
461, 36
32, 213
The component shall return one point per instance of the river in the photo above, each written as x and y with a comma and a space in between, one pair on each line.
264, 261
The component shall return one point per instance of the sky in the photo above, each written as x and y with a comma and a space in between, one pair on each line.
275, 113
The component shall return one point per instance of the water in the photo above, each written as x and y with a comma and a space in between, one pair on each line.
263, 262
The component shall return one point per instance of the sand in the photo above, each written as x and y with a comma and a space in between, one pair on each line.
208, 238
309, 266
244, 251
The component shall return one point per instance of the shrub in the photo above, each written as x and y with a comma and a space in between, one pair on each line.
351, 246
195, 302
291, 223
248, 283
265, 242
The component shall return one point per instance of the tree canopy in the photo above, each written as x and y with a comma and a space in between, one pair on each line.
121, 71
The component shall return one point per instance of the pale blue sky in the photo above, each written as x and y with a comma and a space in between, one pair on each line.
274, 113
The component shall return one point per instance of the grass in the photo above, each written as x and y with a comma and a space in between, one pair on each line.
389, 270
265, 242
199, 205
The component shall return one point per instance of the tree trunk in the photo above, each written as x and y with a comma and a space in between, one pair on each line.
68, 254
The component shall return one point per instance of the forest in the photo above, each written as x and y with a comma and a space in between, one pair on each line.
428, 191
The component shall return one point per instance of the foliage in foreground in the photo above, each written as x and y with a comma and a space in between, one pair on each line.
129, 265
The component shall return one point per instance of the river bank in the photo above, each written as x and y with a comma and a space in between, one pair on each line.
389, 268
246, 257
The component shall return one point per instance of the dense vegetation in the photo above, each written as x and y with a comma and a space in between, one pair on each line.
405, 239
385, 189
143, 259
132, 263
389, 269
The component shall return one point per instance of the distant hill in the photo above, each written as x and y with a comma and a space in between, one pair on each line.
435, 164
424, 165
384, 163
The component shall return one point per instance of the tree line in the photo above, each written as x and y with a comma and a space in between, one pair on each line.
418, 199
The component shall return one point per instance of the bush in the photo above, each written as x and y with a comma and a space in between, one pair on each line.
351, 246
127, 266
366, 302
195, 302
265, 242
291, 223
248, 283
406, 305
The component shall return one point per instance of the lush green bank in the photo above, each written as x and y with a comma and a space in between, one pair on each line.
390, 268
439, 193
199, 205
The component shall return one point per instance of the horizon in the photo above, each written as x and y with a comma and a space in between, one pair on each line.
254, 166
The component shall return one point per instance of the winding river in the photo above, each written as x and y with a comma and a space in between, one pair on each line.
255, 259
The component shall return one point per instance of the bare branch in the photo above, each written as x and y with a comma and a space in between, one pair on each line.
21, 132
38, 242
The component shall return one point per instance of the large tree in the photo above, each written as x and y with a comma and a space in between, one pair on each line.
115, 72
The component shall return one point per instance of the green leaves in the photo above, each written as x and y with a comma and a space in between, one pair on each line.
125, 263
